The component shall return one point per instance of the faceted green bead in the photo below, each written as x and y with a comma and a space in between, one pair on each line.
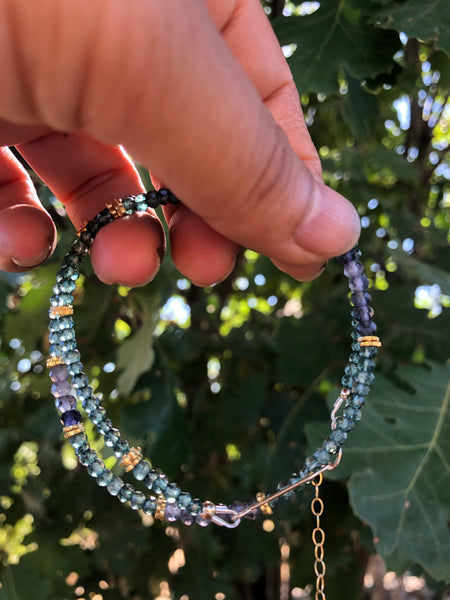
87, 457
95, 468
172, 491
105, 478
195, 507
149, 506
126, 492
183, 500
137, 500
339, 436
141, 470
77, 440
114, 486
160, 484
112, 437
121, 447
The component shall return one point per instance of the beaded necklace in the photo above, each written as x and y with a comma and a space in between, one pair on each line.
165, 500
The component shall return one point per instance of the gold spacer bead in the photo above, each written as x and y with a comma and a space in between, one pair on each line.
73, 430
369, 340
160, 508
264, 508
208, 510
82, 229
130, 460
117, 209
61, 311
53, 361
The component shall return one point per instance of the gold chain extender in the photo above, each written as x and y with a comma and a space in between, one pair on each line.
318, 538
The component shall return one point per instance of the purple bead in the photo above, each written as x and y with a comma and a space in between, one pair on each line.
359, 283
65, 403
363, 313
186, 518
200, 520
60, 388
59, 373
353, 269
172, 512
71, 417
367, 328
360, 299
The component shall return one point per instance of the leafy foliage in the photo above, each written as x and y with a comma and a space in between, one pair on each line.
228, 400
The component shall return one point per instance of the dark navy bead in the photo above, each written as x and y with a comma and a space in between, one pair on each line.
128, 203
71, 417
352, 254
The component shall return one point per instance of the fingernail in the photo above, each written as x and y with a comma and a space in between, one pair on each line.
332, 225
33, 261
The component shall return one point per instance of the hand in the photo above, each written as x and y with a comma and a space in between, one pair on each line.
199, 92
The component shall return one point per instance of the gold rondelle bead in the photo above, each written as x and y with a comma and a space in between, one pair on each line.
82, 229
160, 508
369, 340
264, 508
61, 311
53, 361
130, 460
73, 430
117, 209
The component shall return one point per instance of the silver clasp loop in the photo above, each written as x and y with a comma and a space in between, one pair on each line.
226, 517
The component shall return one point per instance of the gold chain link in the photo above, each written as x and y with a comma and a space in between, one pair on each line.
318, 538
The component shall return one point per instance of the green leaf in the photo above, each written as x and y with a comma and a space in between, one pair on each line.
427, 21
328, 41
359, 109
425, 272
400, 459
136, 355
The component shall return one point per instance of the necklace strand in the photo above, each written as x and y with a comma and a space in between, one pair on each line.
166, 501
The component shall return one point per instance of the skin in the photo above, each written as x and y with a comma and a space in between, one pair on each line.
200, 94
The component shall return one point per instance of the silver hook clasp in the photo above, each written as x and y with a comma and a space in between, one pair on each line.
226, 517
